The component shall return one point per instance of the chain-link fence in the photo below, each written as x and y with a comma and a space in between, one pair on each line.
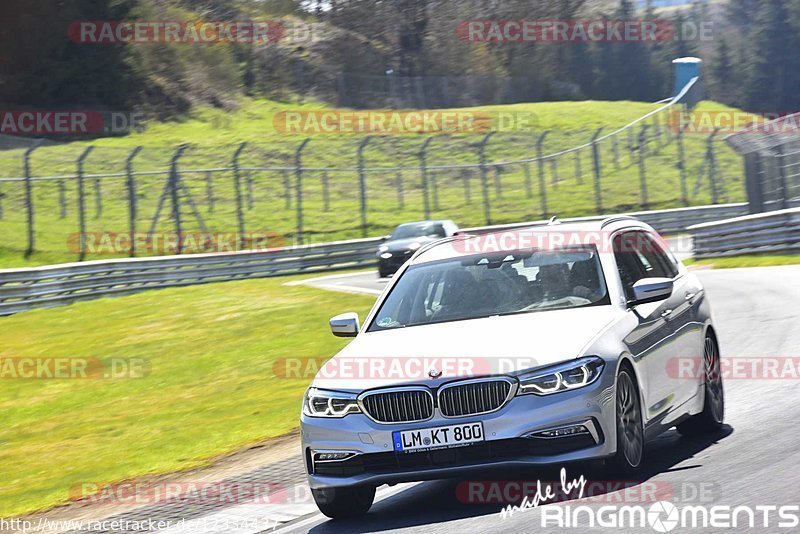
79, 202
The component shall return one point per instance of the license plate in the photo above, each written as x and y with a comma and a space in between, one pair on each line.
442, 437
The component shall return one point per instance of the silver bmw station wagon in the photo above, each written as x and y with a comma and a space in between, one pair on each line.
538, 345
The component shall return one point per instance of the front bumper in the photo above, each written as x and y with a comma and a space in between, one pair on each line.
376, 463
392, 264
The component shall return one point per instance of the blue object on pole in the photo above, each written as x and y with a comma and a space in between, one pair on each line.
687, 68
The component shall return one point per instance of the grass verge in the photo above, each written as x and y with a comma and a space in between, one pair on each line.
746, 261
210, 389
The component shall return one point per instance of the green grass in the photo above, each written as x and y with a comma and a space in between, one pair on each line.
216, 134
210, 389
746, 261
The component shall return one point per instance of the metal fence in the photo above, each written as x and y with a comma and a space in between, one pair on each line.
38, 287
75, 201
771, 153
776, 232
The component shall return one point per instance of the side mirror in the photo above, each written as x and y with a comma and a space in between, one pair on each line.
652, 290
345, 325
385, 238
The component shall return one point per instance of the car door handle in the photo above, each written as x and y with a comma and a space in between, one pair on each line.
666, 313
690, 297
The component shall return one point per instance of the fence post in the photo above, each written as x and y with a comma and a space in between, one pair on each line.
467, 190
98, 199
598, 193
712, 166
237, 187
130, 182
528, 184
498, 185
298, 182
487, 210
682, 161
174, 185
398, 182
578, 170
434, 190
540, 165
642, 170
249, 182
82, 205
782, 187
423, 170
29, 197
326, 194
1, 200
615, 151
62, 199
210, 191
287, 194
362, 185
554, 169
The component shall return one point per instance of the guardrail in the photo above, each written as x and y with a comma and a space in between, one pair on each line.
57, 285
772, 232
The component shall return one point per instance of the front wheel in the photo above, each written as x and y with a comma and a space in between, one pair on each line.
345, 502
713, 414
630, 432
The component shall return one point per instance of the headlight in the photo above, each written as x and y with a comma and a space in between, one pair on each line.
383, 248
386, 255
563, 377
414, 246
319, 403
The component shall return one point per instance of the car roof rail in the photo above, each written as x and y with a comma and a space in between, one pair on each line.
619, 218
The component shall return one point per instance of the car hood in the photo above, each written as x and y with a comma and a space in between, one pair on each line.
462, 349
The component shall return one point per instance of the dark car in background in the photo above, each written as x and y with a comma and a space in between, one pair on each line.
406, 239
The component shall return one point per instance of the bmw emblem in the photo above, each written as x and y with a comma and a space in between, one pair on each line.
433, 373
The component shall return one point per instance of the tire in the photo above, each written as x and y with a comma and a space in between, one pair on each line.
711, 418
345, 502
630, 430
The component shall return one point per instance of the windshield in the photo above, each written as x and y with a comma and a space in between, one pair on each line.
408, 231
494, 284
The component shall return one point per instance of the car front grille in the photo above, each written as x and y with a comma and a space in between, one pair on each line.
400, 406
473, 398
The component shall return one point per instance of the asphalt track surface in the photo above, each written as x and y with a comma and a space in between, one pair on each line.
754, 461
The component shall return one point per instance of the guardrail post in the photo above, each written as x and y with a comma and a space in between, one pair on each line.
82, 205
598, 193
487, 210
130, 182
29, 197
682, 161
362, 185
237, 188
298, 182
642, 170
540, 166
423, 171
174, 185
